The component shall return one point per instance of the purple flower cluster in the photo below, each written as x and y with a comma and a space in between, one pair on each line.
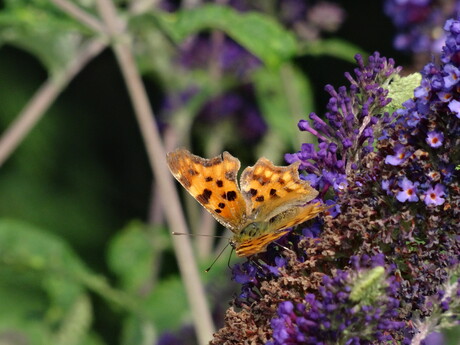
419, 23
251, 275
427, 130
400, 198
347, 135
336, 316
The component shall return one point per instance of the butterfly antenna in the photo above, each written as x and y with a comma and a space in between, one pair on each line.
217, 258
202, 235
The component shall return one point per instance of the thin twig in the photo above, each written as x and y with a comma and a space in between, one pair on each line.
43, 98
81, 16
190, 3
204, 245
154, 146
141, 6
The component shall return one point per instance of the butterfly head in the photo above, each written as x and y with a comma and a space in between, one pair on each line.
252, 239
251, 230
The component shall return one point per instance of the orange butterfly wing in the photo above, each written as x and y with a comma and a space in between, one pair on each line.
272, 198
212, 182
270, 189
278, 201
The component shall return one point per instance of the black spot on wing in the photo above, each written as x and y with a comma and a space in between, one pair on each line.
253, 191
273, 193
221, 205
260, 198
204, 197
219, 183
231, 195
209, 179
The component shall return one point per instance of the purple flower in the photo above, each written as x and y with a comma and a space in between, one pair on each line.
434, 338
423, 91
279, 262
399, 156
453, 75
434, 196
336, 316
454, 106
386, 186
419, 23
445, 96
409, 191
244, 273
312, 231
435, 139
346, 133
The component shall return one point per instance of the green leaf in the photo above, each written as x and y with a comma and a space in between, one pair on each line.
42, 262
23, 308
24, 246
285, 97
134, 254
258, 33
137, 332
40, 29
401, 89
148, 41
168, 305
333, 47
451, 335
76, 323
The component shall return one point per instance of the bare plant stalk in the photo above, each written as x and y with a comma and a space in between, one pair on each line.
190, 3
156, 212
80, 15
205, 244
154, 146
43, 98
141, 6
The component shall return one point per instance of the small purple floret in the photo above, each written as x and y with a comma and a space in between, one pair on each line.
409, 191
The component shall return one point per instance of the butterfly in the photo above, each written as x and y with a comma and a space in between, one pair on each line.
266, 204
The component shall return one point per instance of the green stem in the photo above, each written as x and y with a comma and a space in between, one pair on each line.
43, 98
156, 154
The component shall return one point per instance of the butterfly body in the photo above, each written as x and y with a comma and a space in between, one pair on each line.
260, 209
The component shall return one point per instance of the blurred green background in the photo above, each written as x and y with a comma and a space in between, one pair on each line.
79, 242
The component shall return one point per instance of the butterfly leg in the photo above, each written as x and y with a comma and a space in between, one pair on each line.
284, 247
255, 262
